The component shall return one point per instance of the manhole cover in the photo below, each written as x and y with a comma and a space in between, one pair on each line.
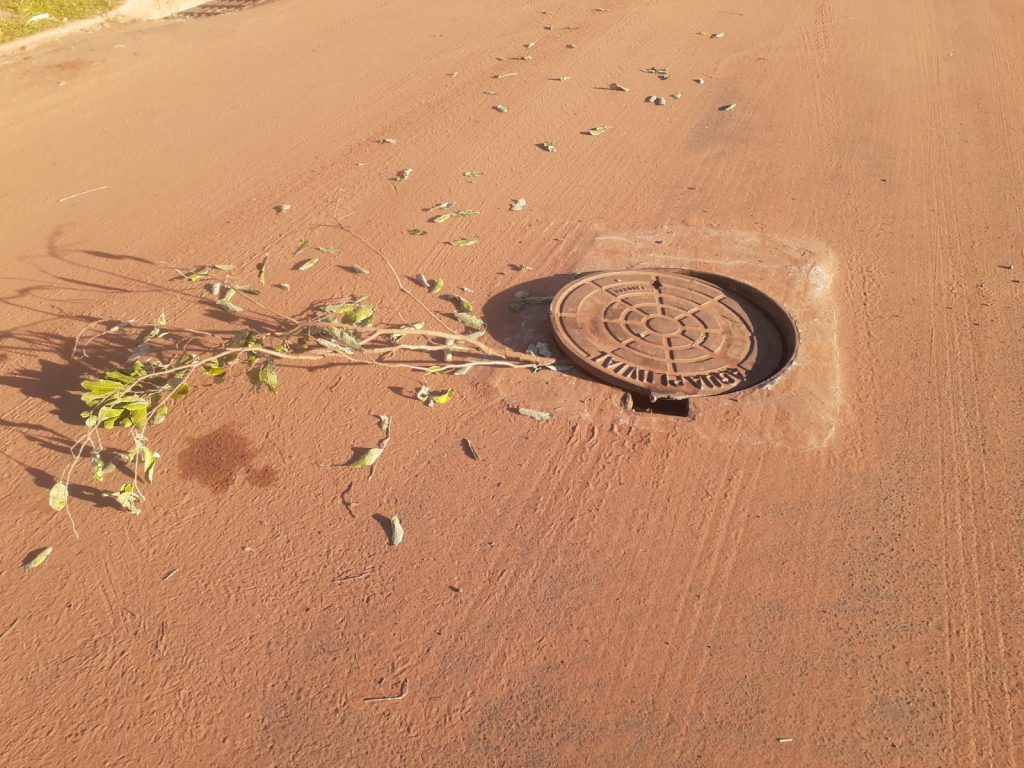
669, 334
217, 7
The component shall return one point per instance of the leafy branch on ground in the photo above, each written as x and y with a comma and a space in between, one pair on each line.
164, 362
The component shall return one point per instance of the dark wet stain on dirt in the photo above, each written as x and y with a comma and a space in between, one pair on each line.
217, 458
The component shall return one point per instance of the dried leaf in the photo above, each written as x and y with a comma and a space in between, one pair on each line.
385, 423
464, 242
473, 173
677, 95
422, 280
225, 267
727, 108
441, 219
598, 130
58, 497
500, 108
618, 87
660, 101
518, 204
547, 146
522, 268
535, 415
417, 231
716, 35
440, 206
403, 174
301, 247
367, 458
539, 349
261, 270
326, 249
389, 141
397, 531
470, 320
359, 270
283, 208
37, 559
506, 74
468, 212
308, 264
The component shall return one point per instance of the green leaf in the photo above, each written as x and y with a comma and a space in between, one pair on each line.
397, 532
367, 458
441, 398
127, 498
468, 212
471, 320
437, 285
308, 264
301, 247
464, 242
547, 146
198, 274
473, 173
58, 497
40, 557
268, 375
149, 463
461, 304
441, 219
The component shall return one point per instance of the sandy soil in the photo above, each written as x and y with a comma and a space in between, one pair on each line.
826, 574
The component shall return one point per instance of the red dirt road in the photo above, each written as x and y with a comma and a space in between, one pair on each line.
828, 573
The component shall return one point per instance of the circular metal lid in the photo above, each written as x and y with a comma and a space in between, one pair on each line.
666, 334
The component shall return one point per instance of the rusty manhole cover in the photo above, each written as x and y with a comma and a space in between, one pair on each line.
670, 334
217, 7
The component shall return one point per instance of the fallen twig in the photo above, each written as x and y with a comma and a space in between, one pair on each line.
401, 694
79, 194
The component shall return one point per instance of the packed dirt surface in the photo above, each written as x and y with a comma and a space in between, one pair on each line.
824, 573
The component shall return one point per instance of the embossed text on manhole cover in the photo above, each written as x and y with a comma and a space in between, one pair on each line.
666, 333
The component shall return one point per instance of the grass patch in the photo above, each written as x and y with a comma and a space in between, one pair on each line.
14, 14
